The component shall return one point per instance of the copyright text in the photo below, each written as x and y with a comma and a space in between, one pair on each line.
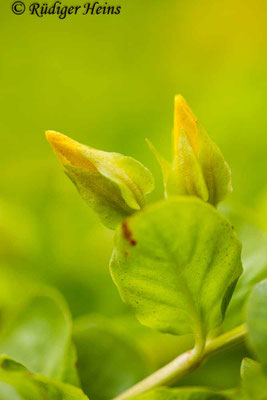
63, 11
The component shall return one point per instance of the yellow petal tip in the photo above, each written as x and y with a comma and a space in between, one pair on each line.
185, 119
179, 99
68, 150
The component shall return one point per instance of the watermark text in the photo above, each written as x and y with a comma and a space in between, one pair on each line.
62, 11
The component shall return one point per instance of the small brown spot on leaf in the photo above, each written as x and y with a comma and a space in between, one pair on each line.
128, 234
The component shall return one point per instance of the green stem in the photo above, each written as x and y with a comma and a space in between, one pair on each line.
186, 362
227, 339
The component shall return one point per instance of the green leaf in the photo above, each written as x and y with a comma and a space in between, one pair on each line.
254, 387
257, 321
108, 362
9, 364
254, 382
176, 265
248, 367
216, 172
261, 209
182, 394
101, 194
39, 336
17, 383
164, 165
159, 348
186, 177
254, 260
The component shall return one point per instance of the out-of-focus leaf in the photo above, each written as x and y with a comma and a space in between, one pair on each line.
254, 382
182, 394
9, 364
159, 348
108, 362
17, 383
254, 387
39, 336
257, 321
254, 260
261, 207
14, 290
249, 366
17, 232
114, 185
176, 264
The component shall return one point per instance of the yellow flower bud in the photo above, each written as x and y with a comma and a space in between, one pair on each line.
68, 150
114, 185
185, 119
198, 167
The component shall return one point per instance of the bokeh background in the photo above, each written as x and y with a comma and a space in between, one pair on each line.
109, 82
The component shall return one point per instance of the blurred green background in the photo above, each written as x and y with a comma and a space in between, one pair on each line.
109, 82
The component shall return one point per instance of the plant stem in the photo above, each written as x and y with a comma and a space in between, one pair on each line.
227, 339
186, 362
176, 369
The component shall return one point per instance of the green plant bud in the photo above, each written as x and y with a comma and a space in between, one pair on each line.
198, 167
114, 185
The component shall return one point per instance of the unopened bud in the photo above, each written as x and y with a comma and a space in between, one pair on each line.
198, 167
114, 185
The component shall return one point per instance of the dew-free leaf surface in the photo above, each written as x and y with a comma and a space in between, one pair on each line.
176, 265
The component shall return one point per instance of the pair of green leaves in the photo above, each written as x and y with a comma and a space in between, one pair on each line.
176, 265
